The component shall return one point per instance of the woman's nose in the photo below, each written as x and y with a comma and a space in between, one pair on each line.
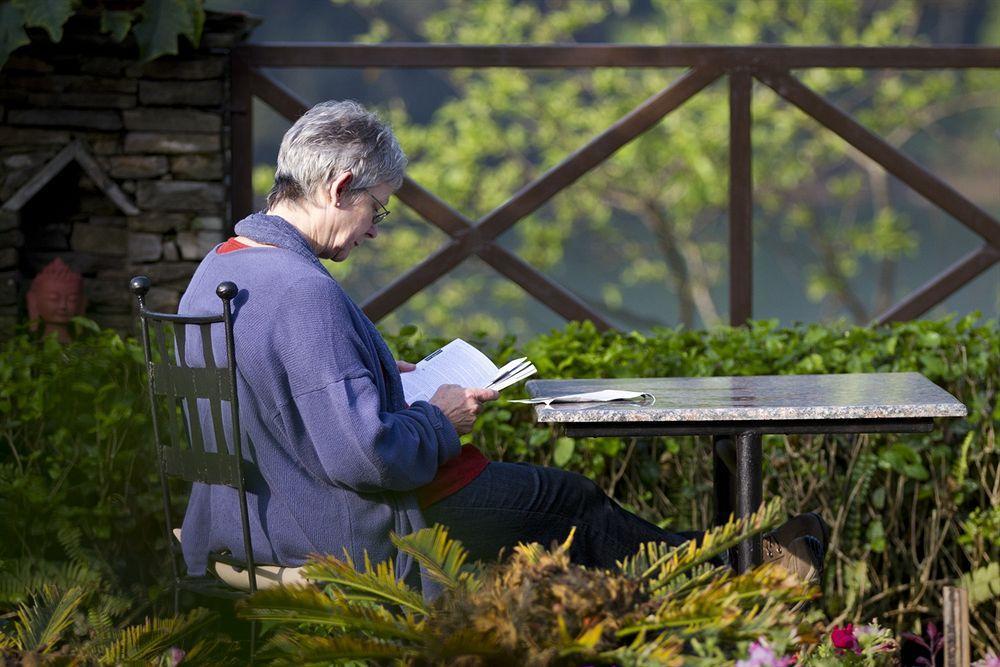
372, 231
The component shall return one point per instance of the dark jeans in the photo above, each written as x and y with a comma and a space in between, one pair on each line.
520, 502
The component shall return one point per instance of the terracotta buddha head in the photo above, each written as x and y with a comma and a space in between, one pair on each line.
56, 297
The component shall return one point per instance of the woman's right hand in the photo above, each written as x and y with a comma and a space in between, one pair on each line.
461, 405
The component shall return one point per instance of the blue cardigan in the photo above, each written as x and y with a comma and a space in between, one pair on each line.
322, 411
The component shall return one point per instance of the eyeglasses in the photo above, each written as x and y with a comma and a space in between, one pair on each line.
382, 213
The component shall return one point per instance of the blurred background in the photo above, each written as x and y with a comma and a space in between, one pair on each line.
643, 238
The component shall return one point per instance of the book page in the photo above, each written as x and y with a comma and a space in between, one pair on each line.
455, 363
512, 373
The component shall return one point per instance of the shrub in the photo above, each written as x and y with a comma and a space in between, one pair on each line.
665, 605
911, 512
79, 483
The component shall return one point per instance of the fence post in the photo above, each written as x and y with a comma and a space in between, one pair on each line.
740, 200
956, 627
241, 140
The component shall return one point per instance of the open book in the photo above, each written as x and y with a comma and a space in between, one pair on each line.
460, 363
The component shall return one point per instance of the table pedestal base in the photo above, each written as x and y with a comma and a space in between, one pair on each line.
749, 494
738, 487
737, 454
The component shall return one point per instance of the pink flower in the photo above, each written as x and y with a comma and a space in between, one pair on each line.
991, 660
176, 656
762, 655
844, 639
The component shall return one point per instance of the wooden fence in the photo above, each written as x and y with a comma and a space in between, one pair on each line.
772, 65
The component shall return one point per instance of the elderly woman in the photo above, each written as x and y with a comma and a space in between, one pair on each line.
344, 461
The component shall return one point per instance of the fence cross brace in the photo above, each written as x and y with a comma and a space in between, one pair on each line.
771, 65
932, 188
468, 238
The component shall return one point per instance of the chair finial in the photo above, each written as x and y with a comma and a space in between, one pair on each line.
226, 290
139, 285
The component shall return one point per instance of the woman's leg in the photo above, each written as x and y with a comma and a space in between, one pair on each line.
520, 502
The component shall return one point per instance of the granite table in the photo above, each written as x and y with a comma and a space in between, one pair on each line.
737, 411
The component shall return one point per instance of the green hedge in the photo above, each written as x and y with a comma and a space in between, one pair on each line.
911, 513
78, 480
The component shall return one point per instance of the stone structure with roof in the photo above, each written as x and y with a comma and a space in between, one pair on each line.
117, 167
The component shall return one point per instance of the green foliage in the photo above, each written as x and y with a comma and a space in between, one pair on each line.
146, 643
905, 508
442, 557
47, 14
652, 218
163, 21
983, 584
157, 23
48, 625
12, 33
874, 646
77, 445
376, 583
41, 624
539, 609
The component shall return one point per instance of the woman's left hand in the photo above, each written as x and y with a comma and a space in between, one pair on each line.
405, 366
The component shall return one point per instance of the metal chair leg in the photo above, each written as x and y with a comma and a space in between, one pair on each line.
253, 641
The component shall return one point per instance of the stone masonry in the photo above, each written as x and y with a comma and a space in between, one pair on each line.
158, 130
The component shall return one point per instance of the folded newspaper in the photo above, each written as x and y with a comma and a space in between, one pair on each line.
462, 364
604, 396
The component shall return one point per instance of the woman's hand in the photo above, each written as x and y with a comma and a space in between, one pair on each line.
405, 366
461, 405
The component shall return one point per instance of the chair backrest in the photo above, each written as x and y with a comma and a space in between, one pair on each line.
190, 403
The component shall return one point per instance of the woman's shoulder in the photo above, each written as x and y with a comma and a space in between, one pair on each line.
275, 270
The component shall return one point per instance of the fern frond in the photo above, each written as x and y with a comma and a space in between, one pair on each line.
376, 583
440, 555
24, 577
584, 643
466, 641
533, 553
309, 605
71, 539
530, 553
697, 576
663, 649
217, 651
42, 621
857, 494
101, 616
643, 560
142, 644
659, 565
297, 649
744, 605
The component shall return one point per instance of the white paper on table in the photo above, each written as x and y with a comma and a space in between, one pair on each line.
603, 396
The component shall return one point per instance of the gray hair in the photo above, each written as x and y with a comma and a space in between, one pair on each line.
329, 139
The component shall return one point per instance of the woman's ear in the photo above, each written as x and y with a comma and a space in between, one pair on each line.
340, 186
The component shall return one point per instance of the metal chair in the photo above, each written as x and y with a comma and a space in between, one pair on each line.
187, 451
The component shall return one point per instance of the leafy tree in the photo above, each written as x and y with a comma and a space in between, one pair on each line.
156, 24
657, 210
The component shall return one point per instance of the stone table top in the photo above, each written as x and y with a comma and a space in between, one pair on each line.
754, 398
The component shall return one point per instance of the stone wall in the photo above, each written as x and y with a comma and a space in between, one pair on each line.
158, 130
